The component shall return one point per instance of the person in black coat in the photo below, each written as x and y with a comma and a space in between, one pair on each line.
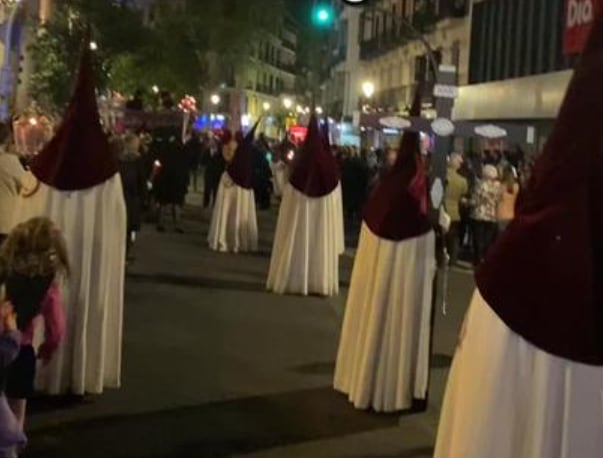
214, 163
171, 182
354, 183
136, 103
194, 149
133, 179
262, 176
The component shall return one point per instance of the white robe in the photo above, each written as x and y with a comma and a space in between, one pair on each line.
234, 225
279, 177
308, 241
383, 357
93, 222
508, 399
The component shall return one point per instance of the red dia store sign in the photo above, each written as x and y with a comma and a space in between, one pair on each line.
579, 17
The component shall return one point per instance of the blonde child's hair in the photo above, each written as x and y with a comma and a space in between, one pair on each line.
34, 248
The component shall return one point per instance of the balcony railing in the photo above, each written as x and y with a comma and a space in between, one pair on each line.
396, 35
286, 67
289, 44
266, 89
397, 99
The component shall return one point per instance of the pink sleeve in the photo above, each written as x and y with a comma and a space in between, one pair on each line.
54, 319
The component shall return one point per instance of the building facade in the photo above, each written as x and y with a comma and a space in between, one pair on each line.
374, 45
520, 61
257, 85
269, 78
254, 86
514, 57
345, 73
396, 62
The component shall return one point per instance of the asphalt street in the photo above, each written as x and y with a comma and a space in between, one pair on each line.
216, 367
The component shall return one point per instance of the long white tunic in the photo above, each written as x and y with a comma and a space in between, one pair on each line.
234, 225
279, 177
508, 399
93, 222
308, 242
383, 357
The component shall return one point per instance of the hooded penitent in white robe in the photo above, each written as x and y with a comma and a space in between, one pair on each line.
527, 377
506, 398
234, 225
383, 357
79, 188
307, 244
309, 234
93, 223
280, 179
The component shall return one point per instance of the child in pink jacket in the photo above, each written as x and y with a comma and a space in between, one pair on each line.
31, 258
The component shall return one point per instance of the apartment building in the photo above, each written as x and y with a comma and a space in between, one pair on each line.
522, 54
377, 44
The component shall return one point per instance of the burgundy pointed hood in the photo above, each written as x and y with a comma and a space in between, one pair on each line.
240, 168
397, 209
544, 276
315, 171
78, 156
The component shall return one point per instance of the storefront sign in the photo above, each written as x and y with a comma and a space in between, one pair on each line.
298, 133
579, 17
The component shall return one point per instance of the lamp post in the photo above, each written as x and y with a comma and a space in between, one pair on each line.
10, 9
368, 89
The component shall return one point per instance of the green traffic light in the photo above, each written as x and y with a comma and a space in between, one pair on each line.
323, 15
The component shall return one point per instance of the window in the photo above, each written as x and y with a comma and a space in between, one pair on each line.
516, 38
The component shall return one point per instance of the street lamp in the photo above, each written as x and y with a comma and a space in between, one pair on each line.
215, 99
155, 89
318, 110
368, 89
266, 106
287, 103
93, 46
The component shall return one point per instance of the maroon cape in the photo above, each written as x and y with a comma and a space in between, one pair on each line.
397, 209
240, 168
544, 276
78, 156
315, 172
